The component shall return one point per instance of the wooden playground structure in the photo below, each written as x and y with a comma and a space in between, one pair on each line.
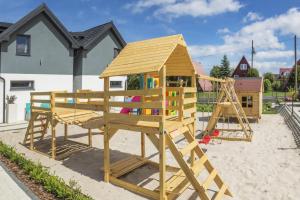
164, 114
226, 98
83, 109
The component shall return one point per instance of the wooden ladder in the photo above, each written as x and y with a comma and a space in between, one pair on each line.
238, 109
37, 126
189, 172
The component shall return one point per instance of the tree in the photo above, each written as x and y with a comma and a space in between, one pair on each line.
267, 85
276, 85
225, 67
291, 78
269, 76
253, 72
215, 71
133, 82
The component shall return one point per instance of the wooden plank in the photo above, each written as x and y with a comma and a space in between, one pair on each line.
188, 148
209, 179
125, 117
189, 100
40, 93
128, 167
106, 132
80, 106
36, 108
154, 104
154, 91
40, 101
190, 89
134, 128
220, 194
134, 188
82, 95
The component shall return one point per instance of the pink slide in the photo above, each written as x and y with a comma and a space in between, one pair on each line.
127, 110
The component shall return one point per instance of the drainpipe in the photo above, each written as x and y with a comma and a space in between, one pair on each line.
3, 98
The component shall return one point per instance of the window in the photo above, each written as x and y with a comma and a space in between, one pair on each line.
116, 52
21, 85
247, 102
115, 84
23, 45
243, 66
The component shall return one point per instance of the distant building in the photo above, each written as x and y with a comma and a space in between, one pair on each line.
203, 85
285, 72
241, 69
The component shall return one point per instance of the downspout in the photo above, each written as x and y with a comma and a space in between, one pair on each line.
1, 78
3, 98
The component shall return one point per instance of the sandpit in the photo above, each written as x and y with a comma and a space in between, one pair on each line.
266, 168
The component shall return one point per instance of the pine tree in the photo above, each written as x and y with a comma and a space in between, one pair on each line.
225, 67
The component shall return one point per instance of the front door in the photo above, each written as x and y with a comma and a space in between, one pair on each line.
2, 99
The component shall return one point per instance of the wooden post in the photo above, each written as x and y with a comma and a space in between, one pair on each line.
143, 150
66, 132
53, 124
106, 131
193, 115
31, 124
162, 137
90, 137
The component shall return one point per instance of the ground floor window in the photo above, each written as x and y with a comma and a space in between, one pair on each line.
247, 101
21, 85
115, 84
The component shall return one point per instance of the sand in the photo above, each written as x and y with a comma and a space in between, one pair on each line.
266, 168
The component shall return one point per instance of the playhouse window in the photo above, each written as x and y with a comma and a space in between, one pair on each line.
115, 84
23, 45
247, 101
243, 66
21, 85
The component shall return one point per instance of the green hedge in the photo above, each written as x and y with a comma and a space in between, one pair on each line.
52, 184
204, 107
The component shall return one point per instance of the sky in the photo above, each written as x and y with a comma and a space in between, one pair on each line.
211, 28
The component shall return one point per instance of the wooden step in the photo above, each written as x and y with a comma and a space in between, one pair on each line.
179, 132
210, 179
188, 148
221, 193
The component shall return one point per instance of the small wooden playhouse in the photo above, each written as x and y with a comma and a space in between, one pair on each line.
159, 58
250, 94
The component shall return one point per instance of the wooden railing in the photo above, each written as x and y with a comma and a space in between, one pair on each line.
49, 101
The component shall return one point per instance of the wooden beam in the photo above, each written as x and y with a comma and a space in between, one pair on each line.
162, 137
106, 132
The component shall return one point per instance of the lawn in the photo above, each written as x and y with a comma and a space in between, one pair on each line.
267, 109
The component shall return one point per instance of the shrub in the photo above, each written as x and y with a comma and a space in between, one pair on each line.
267, 85
38, 173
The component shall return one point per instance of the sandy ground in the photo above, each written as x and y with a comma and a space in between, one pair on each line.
267, 168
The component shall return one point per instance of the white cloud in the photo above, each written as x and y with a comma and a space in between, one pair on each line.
252, 16
263, 55
178, 8
223, 30
269, 66
265, 34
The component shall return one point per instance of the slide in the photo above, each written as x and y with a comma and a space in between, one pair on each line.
134, 99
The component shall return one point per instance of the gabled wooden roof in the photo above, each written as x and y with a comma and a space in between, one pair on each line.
150, 55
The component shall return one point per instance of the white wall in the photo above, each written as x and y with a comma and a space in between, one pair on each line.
1, 101
42, 82
90, 82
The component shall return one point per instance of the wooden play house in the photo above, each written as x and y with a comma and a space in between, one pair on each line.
249, 91
159, 58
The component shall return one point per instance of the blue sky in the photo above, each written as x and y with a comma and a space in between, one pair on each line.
211, 28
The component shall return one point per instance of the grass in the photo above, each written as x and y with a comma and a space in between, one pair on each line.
278, 94
51, 183
267, 109
204, 107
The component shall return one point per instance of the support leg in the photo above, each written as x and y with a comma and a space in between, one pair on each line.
31, 135
143, 150
90, 137
66, 132
53, 140
106, 156
162, 167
